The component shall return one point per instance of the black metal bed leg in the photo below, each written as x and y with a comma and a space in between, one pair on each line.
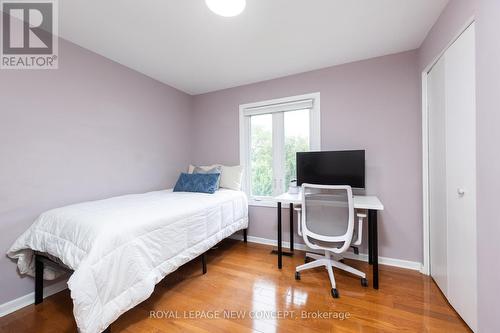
38, 280
245, 232
204, 263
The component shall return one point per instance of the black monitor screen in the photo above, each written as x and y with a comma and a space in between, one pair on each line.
332, 168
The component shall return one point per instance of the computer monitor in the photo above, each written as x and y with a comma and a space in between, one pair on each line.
345, 167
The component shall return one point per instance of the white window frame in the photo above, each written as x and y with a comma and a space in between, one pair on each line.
266, 107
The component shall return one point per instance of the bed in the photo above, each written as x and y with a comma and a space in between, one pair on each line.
120, 248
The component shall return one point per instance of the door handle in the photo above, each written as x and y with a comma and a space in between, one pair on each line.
461, 192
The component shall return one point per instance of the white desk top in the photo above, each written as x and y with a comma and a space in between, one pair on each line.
360, 201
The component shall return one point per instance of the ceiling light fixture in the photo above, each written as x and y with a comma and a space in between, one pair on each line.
226, 8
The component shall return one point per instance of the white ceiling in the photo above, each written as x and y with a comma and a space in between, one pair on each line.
183, 44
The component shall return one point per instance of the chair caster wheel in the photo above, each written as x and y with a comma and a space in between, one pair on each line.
297, 276
364, 282
335, 293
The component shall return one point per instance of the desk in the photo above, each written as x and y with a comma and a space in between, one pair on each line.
370, 203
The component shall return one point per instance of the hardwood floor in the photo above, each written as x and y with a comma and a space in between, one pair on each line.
243, 278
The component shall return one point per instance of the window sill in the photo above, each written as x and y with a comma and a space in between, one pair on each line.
262, 203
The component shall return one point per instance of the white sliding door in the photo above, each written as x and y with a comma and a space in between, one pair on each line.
437, 175
461, 175
452, 174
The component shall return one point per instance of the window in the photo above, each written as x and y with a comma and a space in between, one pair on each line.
271, 133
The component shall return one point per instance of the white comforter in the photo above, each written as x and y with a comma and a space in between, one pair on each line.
119, 248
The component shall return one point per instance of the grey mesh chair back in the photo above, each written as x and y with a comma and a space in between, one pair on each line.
327, 216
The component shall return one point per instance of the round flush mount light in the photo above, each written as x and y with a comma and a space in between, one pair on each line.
226, 8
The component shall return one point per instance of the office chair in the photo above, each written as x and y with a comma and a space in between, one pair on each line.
326, 222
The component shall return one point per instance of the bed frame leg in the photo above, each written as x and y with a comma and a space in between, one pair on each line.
204, 263
38, 280
245, 235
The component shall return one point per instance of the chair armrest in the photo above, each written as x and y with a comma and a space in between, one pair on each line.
299, 220
360, 217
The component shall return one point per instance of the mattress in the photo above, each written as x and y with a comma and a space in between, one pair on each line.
120, 248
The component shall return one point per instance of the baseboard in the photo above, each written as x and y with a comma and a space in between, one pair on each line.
29, 299
413, 265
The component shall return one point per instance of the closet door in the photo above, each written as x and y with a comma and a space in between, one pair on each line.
437, 175
461, 175
452, 174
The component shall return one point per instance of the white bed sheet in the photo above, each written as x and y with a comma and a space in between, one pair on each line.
120, 248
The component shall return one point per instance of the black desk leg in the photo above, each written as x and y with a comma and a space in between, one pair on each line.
370, 241
280, 249
291, 227
372, 221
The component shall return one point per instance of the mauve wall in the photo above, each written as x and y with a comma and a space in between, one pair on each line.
372, 105
488, 163
451, 22
89, 130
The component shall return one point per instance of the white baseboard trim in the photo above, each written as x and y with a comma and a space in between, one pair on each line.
29, 299
413, 265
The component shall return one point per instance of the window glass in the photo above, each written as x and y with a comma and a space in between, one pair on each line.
261, 155
296, 140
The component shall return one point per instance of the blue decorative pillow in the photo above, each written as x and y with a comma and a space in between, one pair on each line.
197, 182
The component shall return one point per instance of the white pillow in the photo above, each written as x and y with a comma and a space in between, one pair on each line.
230, 177
204, 167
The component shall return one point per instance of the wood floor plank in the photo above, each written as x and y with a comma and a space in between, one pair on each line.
249, 294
